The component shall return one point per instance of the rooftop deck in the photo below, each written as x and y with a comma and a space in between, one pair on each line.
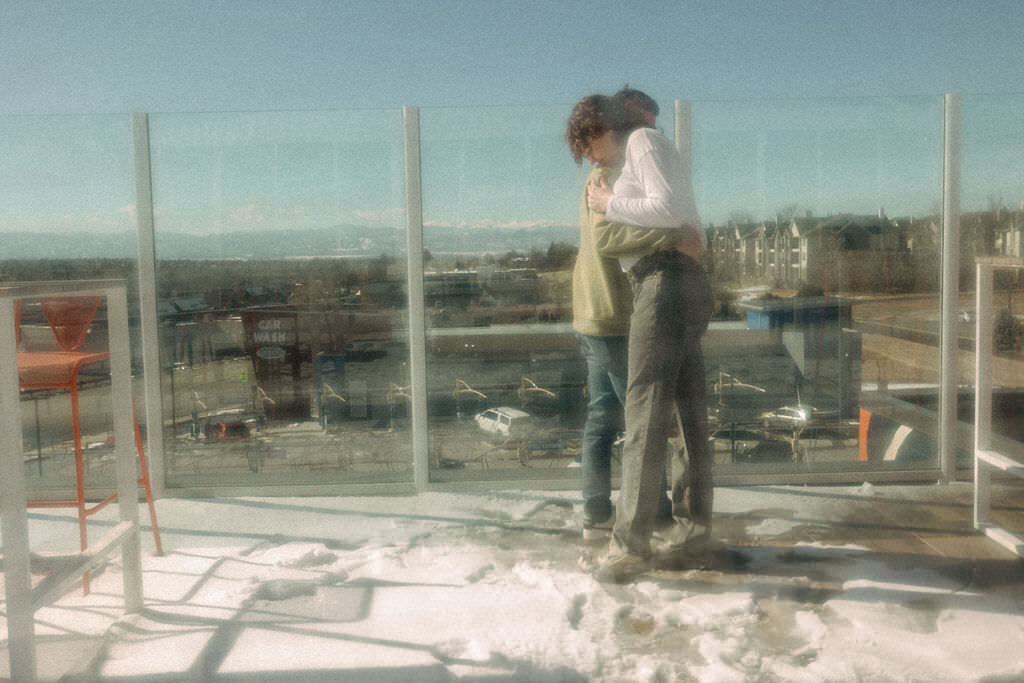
497, 586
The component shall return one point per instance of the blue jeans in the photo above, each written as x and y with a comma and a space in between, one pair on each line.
606, 379
607, 359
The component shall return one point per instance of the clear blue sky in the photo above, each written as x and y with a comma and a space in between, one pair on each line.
724, 56
96, 56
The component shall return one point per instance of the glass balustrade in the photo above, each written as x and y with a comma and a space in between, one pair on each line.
506, 382
992, 228
283, 302
67, 213
282, 293
825, 235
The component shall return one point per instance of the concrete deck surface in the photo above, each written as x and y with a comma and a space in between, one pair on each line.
771, 534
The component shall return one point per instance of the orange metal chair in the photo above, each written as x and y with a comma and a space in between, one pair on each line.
69, 318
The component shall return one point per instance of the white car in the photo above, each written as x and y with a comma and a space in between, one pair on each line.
787, 417
503, 422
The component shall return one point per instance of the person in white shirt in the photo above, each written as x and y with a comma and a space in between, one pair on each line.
666, 386
602, 302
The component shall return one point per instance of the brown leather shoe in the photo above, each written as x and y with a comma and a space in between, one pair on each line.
621, 567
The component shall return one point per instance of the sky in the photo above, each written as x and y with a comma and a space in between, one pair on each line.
779, 91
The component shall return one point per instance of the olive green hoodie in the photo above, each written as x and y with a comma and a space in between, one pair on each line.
601, 296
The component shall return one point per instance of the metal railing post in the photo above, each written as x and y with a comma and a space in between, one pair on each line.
124, 443
417, 316
683, 134
13, 515
150, 326
982, 389
949, 345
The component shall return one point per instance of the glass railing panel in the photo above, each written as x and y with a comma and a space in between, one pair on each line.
505, 380
283, 318
67, 213
992, 226
824, 236
281, 272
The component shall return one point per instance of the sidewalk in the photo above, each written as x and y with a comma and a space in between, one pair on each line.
819, 583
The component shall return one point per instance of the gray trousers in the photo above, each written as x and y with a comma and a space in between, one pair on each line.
666, 387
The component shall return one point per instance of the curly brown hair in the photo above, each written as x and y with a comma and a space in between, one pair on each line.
638, 98
592, 117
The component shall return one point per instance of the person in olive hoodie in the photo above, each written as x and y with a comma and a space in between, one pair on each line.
602, 303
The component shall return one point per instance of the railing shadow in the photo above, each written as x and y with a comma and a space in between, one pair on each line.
811, 575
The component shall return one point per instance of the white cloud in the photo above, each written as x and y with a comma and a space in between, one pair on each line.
516, 225
501, 225
386, 216
250, 214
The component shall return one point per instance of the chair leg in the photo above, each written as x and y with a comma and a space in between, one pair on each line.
80, 502
83, 532
83, 512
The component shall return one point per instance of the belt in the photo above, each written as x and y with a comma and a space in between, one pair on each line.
664, 259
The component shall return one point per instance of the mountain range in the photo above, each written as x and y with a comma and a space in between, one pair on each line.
337, 241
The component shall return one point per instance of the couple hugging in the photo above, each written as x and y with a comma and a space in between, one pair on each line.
641, 303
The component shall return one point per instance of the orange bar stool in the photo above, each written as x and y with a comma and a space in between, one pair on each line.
69, 318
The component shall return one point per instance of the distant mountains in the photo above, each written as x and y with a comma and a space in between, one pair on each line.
337, 241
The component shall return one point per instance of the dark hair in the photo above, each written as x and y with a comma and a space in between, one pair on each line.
639, 99
592, 117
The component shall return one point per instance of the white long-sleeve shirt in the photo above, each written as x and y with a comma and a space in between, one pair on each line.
653, 190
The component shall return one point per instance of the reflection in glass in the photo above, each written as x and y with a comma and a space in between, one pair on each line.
282, 297
66, 213
824, 251
281, 280
505, 377
992, 226
823, 245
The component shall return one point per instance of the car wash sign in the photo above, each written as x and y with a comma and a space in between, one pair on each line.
271, 335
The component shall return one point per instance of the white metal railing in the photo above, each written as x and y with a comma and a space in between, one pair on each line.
414, 286
149, 328
948, 345
986, 459
22, 600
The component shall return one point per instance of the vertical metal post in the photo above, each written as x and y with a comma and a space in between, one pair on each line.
13, 517
948, 346
982, 391
150, 328
417, 315
124, 444
683, 133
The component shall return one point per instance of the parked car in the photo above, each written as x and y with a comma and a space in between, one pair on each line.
504, 422
792, 418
